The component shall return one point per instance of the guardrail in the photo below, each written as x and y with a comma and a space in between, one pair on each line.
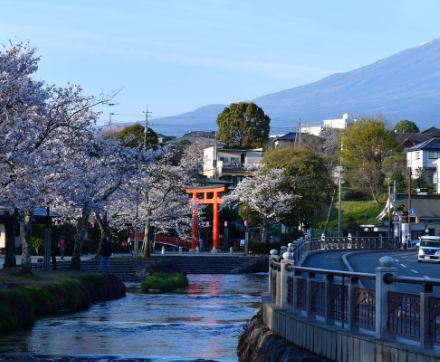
301, 247
384, 310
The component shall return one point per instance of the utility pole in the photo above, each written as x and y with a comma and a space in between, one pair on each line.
215, 157
110, 119
409, 206
395, 213
340, 199
389, 208
146, 127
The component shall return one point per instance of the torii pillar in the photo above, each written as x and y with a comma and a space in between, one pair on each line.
215, 201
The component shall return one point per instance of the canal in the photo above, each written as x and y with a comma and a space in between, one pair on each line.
199, 324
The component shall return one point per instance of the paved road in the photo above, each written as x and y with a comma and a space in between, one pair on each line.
405, 261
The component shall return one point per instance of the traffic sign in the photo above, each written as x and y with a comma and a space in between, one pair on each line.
395, 219
412, 212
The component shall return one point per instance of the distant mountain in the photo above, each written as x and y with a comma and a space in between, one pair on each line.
405, 85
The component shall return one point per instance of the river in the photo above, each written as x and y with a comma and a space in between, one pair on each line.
199, 324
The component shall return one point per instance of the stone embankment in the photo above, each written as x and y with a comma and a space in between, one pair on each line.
259, 344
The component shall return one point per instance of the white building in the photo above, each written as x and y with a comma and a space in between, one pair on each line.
315, 128
229, 164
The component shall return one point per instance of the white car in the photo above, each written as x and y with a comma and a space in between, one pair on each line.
429, 249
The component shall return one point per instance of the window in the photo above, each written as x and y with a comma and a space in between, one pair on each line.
417, 155
433, 155
224, 159
235, 160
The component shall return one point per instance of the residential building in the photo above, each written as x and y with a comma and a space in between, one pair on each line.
289, 139
421, 159
229, 164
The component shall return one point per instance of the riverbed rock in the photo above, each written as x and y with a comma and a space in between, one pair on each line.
259, 344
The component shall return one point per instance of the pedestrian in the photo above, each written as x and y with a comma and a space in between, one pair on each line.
106, 252
62, 247
130, 245
53, 253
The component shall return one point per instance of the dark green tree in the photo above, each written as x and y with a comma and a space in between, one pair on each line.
365, 146
138, 132
243, 125
406, 126
310, 180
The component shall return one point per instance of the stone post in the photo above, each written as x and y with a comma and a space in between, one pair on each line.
327, 310
323, 241
354, 283
180, 250
282, 298
163, 249
310, 279
382, 289
427, 291
350, 240
272, 274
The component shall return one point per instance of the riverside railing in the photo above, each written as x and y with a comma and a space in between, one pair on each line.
384, 310
303, 246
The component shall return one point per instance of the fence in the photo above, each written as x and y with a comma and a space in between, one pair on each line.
384, 310
301, 247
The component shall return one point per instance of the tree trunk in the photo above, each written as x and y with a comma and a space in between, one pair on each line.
102, 222
26, 241
148, 243
264, 227
10, 227
79, 239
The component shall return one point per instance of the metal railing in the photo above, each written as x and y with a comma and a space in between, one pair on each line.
388, 312
303, 246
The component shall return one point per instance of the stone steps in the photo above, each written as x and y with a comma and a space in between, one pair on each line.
201, 264
209, 264
123, 269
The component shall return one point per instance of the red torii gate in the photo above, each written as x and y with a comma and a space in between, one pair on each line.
215, 201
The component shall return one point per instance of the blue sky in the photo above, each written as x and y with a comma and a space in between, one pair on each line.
175, 56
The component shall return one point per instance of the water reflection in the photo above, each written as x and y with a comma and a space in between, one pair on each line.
201, 323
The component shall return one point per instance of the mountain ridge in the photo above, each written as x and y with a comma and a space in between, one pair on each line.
405, 85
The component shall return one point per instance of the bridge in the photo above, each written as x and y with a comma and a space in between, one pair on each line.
330, 312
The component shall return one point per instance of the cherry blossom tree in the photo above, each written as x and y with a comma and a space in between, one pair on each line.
262, 193
42, 127
192, 156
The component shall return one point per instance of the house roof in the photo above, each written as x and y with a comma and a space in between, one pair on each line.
416, 138
426, 206
433, 131
431, 144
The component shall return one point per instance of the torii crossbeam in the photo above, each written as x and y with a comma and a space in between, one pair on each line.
201, 195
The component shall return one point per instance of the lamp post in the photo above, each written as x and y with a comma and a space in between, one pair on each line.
246, 234
47, 241
226, 235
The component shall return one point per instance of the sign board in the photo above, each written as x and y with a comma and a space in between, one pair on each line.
412, 212
396, 219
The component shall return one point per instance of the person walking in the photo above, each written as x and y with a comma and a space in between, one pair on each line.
62, 246
130, 245
106, 253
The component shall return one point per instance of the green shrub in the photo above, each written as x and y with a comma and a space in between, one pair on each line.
165, 282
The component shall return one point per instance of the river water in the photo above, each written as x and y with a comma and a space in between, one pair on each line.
199, 324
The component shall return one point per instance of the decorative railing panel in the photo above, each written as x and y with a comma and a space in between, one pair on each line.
302, 294
338, 302
434, 319
404, 314
290, 290
365, 308
318, 298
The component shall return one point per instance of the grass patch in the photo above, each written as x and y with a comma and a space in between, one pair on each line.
64, 293
164, 282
